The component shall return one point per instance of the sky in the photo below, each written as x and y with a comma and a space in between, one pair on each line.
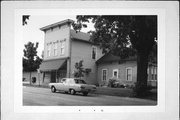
32, 32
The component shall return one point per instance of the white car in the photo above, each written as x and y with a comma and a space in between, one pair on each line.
72, 85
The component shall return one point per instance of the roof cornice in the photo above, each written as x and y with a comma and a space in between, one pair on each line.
57, 24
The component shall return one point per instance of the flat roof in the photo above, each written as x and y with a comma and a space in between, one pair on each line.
56, 24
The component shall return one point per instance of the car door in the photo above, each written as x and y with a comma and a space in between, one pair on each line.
67, 84
60, 85
71, 84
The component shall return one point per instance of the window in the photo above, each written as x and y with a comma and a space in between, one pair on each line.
55, 49
94, 50
62, 47
79, 81
62, 80
104, 74
115, 73
48, 50
153, 73
129, 74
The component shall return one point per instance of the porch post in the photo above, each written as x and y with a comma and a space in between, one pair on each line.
56, 76
68, 68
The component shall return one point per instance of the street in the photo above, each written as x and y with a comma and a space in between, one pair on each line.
33, 96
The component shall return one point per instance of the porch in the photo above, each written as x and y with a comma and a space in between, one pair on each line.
54, 70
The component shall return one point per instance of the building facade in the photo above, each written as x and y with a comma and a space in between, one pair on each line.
63, 47
125, 70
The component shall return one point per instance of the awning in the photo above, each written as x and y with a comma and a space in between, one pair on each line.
52, 64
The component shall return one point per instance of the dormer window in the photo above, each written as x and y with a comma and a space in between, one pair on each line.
94, 52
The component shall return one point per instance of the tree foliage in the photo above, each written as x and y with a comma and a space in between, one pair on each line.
31, 61
124, 36
79, 70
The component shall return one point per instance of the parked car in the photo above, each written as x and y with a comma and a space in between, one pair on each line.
72, 85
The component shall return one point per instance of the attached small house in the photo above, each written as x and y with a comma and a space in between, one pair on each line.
124, 69
63, 47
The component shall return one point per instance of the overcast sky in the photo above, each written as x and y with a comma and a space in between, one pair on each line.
32, 32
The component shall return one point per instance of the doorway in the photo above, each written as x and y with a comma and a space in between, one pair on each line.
53, 76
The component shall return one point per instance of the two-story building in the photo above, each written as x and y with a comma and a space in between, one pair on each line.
63, 47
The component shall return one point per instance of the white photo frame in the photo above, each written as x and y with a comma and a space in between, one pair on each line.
167, 107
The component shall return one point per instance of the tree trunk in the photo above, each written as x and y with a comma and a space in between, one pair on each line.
30, 78
142, 65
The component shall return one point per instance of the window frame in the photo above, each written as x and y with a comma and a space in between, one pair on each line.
115, 70
153, 74
48, 50
55, 48
103, 74
62, 47
95, 53
130, 73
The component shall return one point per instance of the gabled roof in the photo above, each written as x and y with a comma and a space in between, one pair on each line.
56, 24
80, 36
111, 58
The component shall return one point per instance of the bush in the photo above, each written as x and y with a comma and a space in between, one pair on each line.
24, 79
97, 85
111, 83
33, 80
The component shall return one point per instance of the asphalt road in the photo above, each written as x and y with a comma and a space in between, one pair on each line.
33, 96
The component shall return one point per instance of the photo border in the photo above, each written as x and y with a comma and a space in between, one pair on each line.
158, 9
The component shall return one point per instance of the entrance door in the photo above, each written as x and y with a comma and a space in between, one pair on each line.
53, 76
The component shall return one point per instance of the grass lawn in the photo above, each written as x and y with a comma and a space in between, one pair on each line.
124, 92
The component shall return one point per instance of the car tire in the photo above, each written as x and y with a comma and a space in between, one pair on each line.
53, 89
85, 93
72, 91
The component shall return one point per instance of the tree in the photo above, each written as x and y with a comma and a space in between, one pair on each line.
31, 61
79, 70
124, 36
24, 19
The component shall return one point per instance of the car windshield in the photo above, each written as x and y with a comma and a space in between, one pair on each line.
79, 81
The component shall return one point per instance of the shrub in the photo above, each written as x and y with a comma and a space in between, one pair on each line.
111, 83
24, 79
97, 85
33, 79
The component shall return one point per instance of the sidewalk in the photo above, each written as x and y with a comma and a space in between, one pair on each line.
121, 92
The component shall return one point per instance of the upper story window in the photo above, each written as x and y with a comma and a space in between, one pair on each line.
62, 47
94, 52
55, 48
129, 74
48, 50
